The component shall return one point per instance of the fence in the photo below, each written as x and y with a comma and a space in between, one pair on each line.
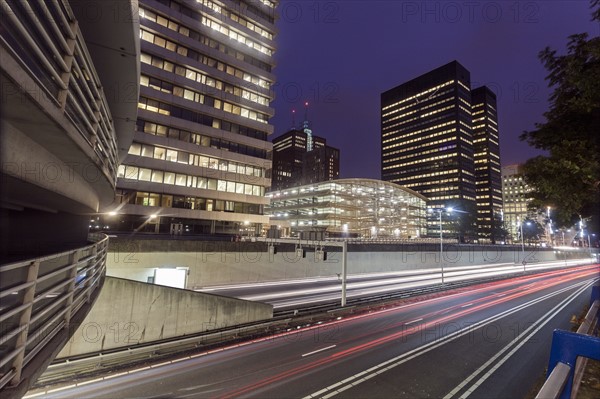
39, 297
565, 370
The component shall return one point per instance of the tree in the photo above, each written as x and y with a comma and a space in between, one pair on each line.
568, 179
462, 221
532, 230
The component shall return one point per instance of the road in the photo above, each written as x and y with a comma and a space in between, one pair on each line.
296, 293
486, 341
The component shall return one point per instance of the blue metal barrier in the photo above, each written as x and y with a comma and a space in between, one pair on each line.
566, 348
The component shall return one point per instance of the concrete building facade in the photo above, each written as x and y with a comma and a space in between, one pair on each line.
65, 126
200, 159
64, 130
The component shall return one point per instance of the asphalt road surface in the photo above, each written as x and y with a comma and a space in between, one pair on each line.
486, 341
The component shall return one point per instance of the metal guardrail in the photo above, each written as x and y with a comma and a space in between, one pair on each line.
39, 297
569, 353
45, 37
394, 240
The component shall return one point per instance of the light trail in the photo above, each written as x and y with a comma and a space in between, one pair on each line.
410, 279
395, 336
491, 298
372, 372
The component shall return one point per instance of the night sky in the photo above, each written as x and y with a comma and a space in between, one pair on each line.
340, 55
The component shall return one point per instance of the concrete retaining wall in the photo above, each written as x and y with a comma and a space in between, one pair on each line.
129, 312
219, 263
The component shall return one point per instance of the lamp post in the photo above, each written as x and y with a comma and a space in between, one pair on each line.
523, 242
549, 226
440, 211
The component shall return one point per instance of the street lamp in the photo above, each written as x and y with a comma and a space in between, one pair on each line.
440, 211
549, 227
523, 241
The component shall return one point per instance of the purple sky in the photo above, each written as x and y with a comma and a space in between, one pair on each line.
340, 55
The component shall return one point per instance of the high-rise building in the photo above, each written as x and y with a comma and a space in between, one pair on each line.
299, 158
516, 196
427, 139
200, 162
486, 145
288, 153
321, 164
440, 138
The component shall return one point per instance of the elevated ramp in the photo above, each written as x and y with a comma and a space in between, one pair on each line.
129, 312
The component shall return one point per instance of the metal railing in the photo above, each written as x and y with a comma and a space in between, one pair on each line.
38, 299
569, 354
45, 37
394, 240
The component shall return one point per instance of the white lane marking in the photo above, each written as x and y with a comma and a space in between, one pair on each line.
115, 375
195, 387
405, 357
414, 321
467, 305
199, 393
62, 388
159, 364
318, 350
524, 339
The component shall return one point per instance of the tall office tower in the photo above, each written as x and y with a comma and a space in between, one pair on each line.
288, 152
516, 195
200, 158
300, 158
427, 141
321, 164
486, 146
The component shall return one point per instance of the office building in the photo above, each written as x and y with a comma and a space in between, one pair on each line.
440, 138
516, 197
199, 162
288, 153
427, 139
321, 164
299, 158
486, 147
360, 208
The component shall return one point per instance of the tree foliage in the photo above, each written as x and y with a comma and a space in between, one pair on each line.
533, 231
568, 179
